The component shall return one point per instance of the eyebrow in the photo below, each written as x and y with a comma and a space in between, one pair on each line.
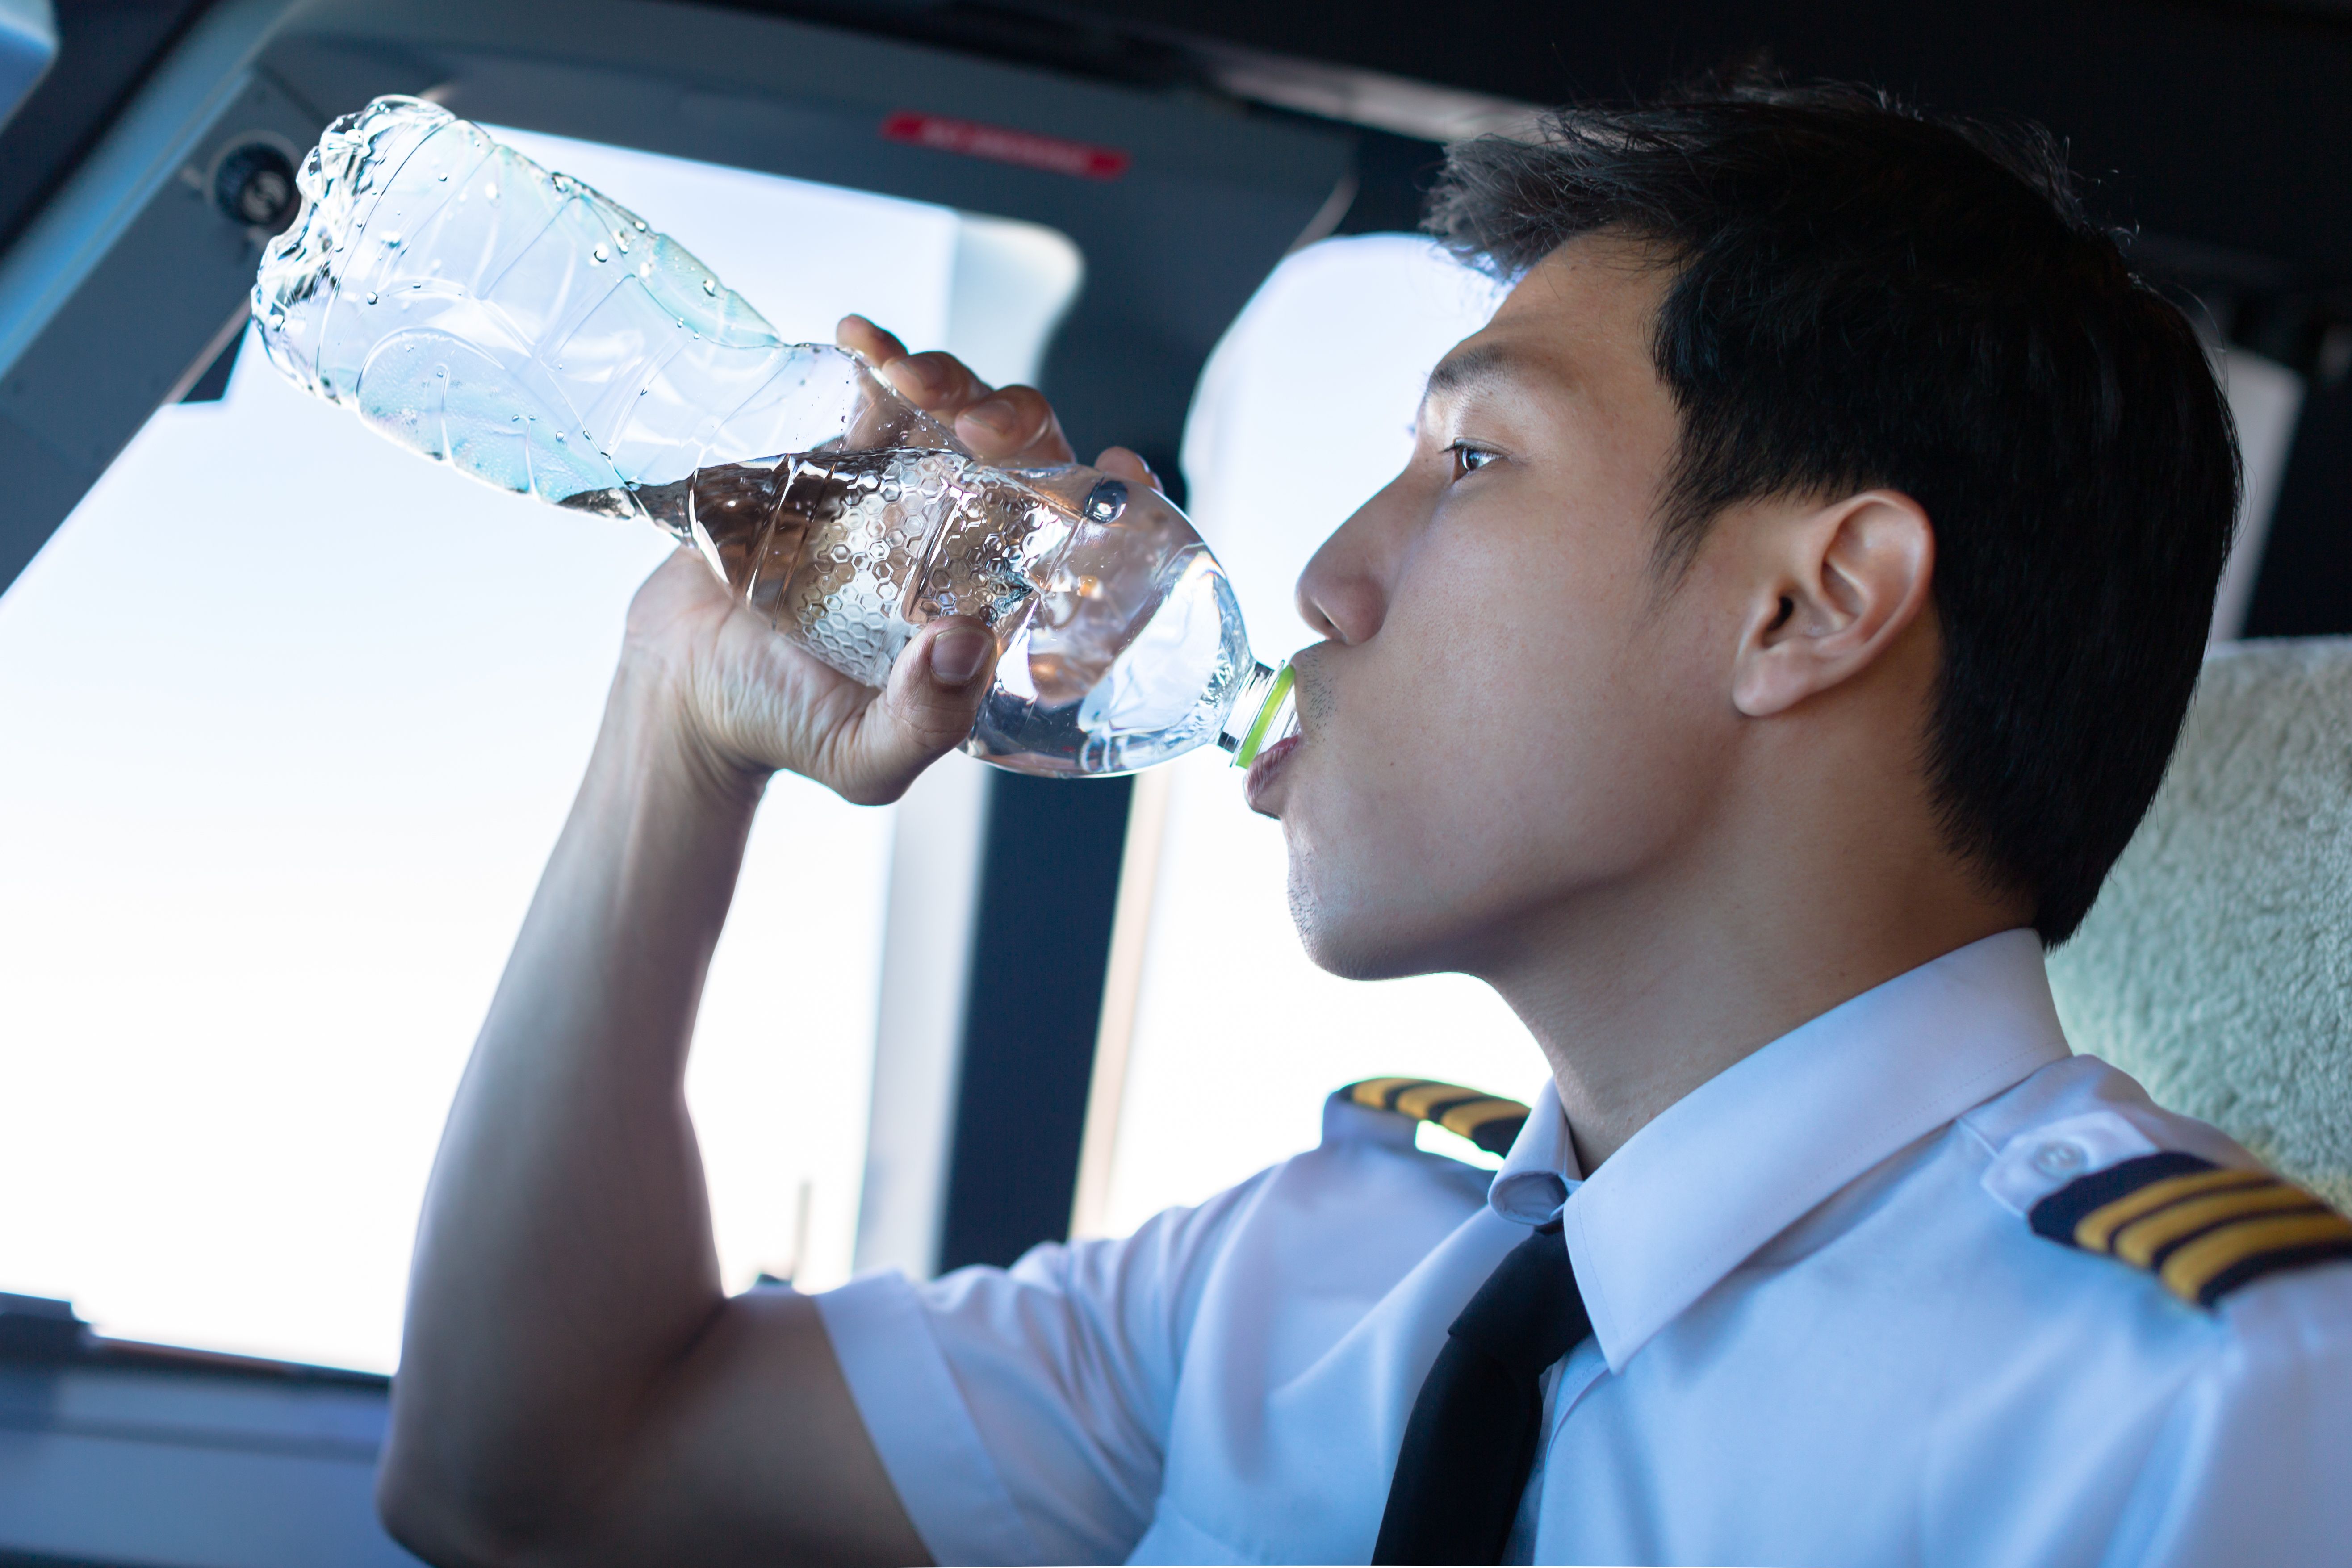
1468, 368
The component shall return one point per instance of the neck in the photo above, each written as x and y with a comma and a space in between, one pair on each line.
1640, 993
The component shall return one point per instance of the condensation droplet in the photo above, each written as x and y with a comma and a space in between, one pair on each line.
711, 286
371, 296
601, 255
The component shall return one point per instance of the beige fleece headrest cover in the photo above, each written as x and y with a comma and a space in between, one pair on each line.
2217, 965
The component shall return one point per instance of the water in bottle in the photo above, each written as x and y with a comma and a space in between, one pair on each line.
527, 332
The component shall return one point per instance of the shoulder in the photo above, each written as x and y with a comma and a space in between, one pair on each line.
1369, 1171
2078, 1167
1366, 1194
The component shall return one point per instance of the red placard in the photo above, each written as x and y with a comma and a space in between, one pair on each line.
1002, 144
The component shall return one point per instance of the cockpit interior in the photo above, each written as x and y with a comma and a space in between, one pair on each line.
289, 720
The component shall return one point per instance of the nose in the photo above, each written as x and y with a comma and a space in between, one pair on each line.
1344, 592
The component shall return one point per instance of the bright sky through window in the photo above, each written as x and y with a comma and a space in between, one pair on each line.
1272, 472
291, 720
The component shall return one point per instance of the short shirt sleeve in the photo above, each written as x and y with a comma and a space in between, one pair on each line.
1023, 1412
2256, 1464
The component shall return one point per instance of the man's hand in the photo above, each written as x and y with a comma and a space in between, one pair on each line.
751, 700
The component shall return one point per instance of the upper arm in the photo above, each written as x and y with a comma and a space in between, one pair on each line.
1025, 1412
1046, 1408
749, 1451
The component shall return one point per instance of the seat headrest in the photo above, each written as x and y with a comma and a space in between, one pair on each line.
2216, 966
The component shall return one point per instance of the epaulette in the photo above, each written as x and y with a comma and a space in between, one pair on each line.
2202, 1229
1488, 1120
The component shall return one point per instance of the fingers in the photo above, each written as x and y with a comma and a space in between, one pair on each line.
868, 341
1012, 426
928, 708
937, 383
1015, 427
1122, 462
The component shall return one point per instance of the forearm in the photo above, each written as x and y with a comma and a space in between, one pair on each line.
564, 1258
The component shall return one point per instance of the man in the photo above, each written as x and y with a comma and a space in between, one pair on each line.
1782, 625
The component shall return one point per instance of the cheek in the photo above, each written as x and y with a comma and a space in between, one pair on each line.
1529, 719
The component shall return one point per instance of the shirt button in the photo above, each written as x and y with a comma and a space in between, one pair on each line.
2060, 1157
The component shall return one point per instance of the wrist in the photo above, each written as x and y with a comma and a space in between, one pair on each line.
651, 732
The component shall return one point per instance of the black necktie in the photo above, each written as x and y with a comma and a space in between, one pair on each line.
1472, 1439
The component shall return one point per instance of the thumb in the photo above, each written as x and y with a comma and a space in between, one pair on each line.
926, 709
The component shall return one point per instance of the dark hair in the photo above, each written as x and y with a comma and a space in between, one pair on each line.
1867, 296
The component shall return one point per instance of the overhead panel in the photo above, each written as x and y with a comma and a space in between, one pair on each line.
1186, 205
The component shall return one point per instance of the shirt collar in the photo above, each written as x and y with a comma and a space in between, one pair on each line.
1540, 1170
1746, 1154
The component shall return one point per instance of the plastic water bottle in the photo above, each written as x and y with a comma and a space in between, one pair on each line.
524, 329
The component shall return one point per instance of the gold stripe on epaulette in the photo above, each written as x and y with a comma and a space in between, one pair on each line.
2194, 1265
1486, 1120
2098, 1228
2203, 1230
1427, 1102
2141, 1241
1375, 1091
1467, 1118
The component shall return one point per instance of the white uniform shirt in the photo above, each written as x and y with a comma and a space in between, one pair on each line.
1823, 1332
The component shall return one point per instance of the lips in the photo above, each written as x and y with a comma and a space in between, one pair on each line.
1265, 769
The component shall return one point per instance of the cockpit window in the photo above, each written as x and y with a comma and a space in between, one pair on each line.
291, 721
1234, 1037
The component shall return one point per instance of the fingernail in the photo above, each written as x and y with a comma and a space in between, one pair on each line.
956, 654
993, 414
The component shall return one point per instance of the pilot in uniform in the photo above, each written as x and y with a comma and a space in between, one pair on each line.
1910, 1284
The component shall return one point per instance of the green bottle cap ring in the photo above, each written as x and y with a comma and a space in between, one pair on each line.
1246, 752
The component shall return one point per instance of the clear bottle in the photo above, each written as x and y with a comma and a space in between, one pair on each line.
521, 328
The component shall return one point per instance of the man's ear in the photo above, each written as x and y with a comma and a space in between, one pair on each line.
1833, 588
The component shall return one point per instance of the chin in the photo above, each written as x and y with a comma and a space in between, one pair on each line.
1359, 938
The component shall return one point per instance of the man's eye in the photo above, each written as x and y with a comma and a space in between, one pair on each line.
1469, 459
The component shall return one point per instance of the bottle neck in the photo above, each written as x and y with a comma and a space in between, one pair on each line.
1265, 710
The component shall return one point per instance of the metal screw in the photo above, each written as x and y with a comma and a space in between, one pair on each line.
255, 185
